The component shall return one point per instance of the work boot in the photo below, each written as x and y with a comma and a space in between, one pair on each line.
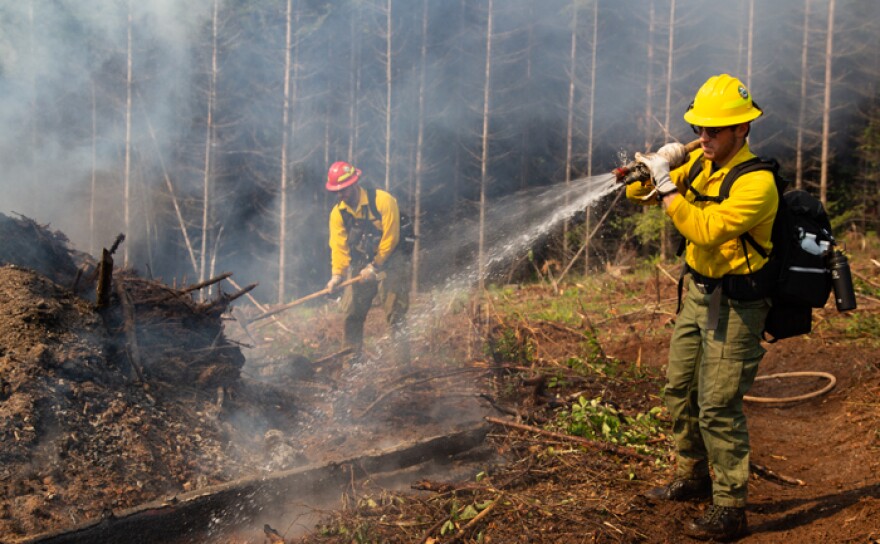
722, 523
683, 489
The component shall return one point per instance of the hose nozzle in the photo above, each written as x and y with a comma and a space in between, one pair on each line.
637, 171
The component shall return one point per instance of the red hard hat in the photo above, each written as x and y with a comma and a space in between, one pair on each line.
342, 175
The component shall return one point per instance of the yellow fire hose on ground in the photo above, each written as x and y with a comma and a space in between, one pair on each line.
832, 381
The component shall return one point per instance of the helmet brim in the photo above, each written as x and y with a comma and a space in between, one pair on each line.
692, 118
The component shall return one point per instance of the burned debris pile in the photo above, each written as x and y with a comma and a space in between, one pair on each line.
167, 336
31, 245
102, 409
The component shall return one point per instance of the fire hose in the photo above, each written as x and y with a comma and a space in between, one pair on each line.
832, 381
637, 171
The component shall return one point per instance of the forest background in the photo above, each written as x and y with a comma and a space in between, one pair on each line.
203, 130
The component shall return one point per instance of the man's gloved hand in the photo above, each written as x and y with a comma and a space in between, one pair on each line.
369, 273
334, 282
675, 153
659, 168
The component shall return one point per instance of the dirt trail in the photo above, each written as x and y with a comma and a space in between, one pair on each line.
830, 443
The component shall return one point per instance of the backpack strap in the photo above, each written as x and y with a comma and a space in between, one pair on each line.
751, 165
695, 171
347, 216
359, 229
371, 201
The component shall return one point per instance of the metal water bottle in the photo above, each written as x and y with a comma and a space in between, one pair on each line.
841, 280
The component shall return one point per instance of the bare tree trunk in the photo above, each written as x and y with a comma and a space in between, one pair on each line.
149, 228
32, 83
569, 125
282, 190
484, 157
94, 181
750, 37
802, 110
525, 135
420, 141
354, 86
388, 96
209, 140
590, 124
126, 173
177, 211
664, 234
669, 64
826, 106
649, 80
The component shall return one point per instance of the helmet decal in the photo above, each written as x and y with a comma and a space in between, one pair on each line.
347, 172
743, 92
342, 175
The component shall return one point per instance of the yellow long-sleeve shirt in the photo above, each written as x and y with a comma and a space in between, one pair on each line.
388, 223
713, 229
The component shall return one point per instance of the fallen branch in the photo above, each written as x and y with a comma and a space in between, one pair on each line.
332, 356
464, 530
240, 293
654, 309
592, 444
667, 274
771, 475
864, 279
436, 527
260, 307
134, 353
191, 288
206, 283
406, 384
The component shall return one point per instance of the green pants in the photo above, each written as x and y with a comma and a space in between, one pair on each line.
709, 373
393, 290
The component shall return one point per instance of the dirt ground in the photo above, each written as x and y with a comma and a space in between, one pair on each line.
82, 438
816, 474
830, 443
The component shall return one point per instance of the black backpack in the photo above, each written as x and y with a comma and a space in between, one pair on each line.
368, 236
799, 274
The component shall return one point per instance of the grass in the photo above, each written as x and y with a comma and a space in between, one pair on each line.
598, 296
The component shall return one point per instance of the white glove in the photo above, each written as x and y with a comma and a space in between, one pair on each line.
334, 282
369, 273
659, 168
675, 153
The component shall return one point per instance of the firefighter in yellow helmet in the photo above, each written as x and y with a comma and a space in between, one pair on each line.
716, 344
365, 241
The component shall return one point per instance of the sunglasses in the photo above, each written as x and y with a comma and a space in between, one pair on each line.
710, 131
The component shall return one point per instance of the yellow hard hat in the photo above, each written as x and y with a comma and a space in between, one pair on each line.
722, 101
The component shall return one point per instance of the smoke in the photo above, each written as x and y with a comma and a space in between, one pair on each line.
64, 95
63, 72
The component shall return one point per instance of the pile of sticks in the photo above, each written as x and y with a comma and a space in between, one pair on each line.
170, 334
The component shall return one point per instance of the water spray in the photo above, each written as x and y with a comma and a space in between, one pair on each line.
637, 171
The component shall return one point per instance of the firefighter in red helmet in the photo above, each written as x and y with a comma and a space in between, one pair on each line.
365, 241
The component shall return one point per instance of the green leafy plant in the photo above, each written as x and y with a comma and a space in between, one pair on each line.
597, 420
509, 347
863, 326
